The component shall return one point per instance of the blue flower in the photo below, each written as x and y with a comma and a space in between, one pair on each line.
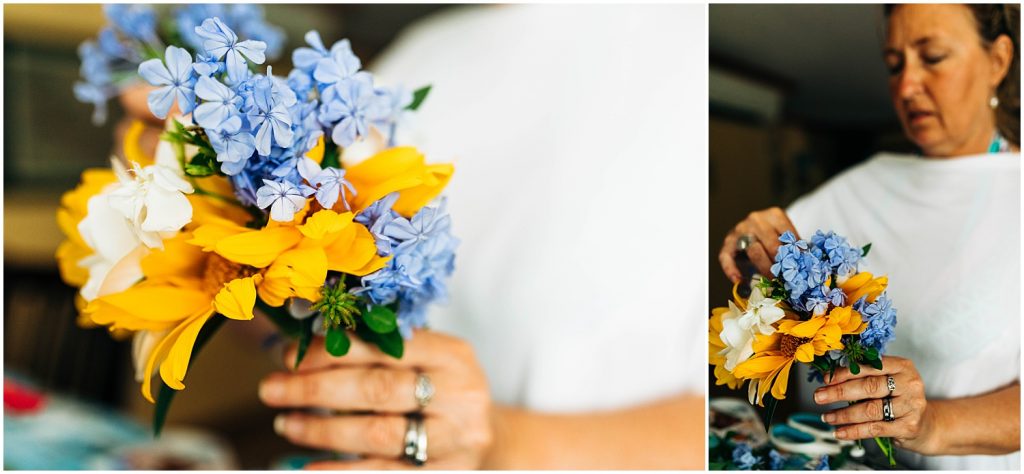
305, 59
269, 114
744, 458
175, 77
330, 69
283, 198
880, 317
112, 46
220, 42
426, 224
376, 217
219, 103
207, 65
233, 145
823, 464
327, 183
188, 17
354, 106
135, 21
394, 100
776, 460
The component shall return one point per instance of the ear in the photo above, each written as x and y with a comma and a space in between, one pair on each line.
1001, 54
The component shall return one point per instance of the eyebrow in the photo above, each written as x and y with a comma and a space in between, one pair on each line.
918, 42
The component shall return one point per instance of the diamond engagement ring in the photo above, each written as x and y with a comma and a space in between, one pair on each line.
890, 383
415, 448
424, 391
887, 414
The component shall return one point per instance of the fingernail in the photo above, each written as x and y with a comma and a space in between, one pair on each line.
279, 422
828, 418
819, 396
840, 434
271, 390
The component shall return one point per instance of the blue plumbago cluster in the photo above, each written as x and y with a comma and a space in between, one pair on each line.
260, 125
805, 267
135, 34
423, 256
744, 458
881, 319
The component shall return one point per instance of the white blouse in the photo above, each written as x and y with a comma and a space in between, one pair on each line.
579, 279
947, 233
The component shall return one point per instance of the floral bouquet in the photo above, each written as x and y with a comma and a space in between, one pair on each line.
137, 33
818, 310
247, 204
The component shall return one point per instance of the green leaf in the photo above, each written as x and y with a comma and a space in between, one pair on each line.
770, 406
332, 154
337, 341
876, 363
864, 250
166, 394
418, 97
201, 165
381, 320
854, 368
305, 337
390, 343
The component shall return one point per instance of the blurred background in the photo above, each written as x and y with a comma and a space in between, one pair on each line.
49, 141
797, 93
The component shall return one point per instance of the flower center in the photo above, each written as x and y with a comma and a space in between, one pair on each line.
220, 270
790, 344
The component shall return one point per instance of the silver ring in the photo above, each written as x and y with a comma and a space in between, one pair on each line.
743, 243
415, 449
424, 391
887, 410
890, 383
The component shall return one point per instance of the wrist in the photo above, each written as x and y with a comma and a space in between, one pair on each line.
504, 422
932, 440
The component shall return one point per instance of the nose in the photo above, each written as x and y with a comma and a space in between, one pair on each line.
908, 83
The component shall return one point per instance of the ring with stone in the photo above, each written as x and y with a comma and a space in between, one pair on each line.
424, 390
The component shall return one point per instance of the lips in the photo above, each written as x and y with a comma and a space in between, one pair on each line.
917, 116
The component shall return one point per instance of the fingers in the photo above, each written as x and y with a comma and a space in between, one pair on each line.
760, 257
890, 366
727, 258
861, 388
866, 412
424, 349
902, 428
364, 388
373, 435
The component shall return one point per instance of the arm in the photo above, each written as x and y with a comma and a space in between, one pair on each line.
982, 424
668, 434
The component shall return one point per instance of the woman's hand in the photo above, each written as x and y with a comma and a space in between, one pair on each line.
913, 427
764, 227
374, 392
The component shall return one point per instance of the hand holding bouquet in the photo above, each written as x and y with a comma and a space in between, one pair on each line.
817, 310
247, 203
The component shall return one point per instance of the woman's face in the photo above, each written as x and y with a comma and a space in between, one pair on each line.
941, 78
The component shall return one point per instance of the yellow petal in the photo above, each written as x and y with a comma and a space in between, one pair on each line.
178, 258
299, 272
781, 381
213, 231
412, 200
174, 368
132, 148
258, 248
805, 353
317, 152
237, 298
402, 170
807, 328
755, 366
147, 307
325, 222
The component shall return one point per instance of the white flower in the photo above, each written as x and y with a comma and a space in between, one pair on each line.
153, 200
283, 199
740, 328
114, 242
142, 347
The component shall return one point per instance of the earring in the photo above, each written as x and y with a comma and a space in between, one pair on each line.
993, 102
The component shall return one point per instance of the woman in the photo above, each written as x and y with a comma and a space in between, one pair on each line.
575, 344
945, 228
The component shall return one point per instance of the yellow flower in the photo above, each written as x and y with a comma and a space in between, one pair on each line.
715, 348
402, 170
73, 207
863, 284
774, 354
184, 287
